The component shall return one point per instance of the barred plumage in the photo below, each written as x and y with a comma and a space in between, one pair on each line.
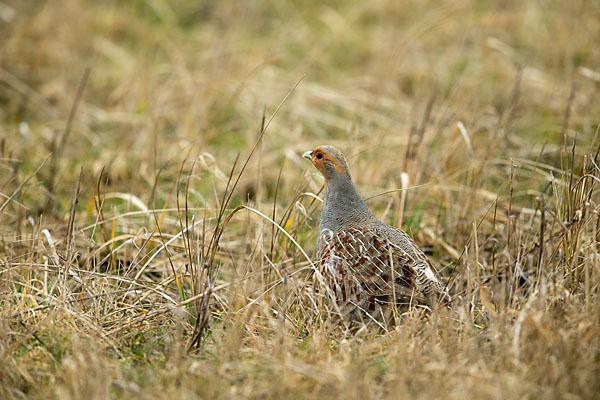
366, 266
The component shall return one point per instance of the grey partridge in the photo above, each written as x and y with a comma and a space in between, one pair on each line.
366, 266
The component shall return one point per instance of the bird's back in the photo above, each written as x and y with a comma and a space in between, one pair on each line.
367, 270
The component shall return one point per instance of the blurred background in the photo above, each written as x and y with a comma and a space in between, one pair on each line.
146, 111
174, 78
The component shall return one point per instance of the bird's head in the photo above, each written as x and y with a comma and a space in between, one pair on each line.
329, 161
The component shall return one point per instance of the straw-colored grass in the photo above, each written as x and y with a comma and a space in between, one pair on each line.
157, 221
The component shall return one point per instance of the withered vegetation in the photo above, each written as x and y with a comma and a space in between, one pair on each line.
157, 221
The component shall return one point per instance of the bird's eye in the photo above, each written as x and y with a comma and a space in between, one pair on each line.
319, 156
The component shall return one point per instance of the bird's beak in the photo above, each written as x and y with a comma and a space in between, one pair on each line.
308, 155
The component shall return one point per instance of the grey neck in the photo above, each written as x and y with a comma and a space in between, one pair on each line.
342, 207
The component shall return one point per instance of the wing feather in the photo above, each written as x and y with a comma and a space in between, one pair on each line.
368, 266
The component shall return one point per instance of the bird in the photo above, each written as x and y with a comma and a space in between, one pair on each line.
370, 270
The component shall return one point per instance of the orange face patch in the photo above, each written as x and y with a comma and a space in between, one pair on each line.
321, 153
325, 156
319, 162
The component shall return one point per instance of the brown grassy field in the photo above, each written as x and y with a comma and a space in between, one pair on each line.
157, 221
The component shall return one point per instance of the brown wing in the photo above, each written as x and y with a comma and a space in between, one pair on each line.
426, 280
367, 268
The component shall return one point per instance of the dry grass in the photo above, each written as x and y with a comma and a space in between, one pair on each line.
128, 272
